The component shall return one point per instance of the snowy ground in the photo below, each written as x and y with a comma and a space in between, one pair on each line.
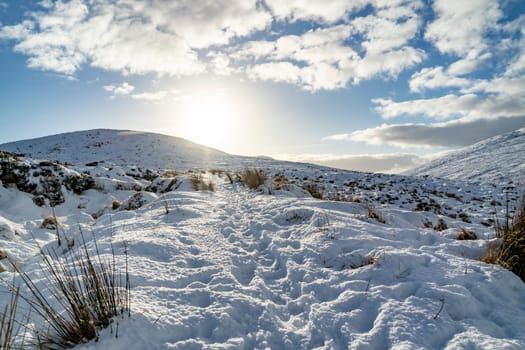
497, 159
236, 268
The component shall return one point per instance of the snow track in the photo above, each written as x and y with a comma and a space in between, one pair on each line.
238, 270
235, 269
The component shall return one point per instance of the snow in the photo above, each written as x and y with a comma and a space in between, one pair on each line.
121, 147
500, 159
276, 268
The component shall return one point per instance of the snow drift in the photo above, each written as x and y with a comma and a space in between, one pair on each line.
374, 264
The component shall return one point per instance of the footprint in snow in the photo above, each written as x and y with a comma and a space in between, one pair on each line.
243, 269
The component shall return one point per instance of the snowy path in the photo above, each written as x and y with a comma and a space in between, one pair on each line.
233, 269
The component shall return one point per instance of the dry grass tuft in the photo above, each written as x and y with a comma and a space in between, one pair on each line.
3, 254
371, 260
314, 189
441, 225
466, 235
511, 253
372, 214
253, 178
10, 328
49, 223
84, 293
199, 184
491, 254
115, 204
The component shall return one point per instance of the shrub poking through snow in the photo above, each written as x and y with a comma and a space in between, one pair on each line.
10, 328
441, 307
466, 235
491, 254
511, 254
441, 225
199, 184
313, 189
372, 214
87, 293
464, 217
280, 181
80, 183
39, 200
134, 202
49, 223
115, 204
253, 178
229, 177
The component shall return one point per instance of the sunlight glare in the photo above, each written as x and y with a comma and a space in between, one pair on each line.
209, 119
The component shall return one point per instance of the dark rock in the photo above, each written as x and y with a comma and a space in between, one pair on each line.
39, 200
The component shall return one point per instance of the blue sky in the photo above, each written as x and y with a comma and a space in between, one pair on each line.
367, 84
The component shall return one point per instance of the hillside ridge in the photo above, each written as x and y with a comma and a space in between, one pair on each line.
499, 159
120, 147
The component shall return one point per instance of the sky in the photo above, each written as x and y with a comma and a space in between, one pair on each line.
375, 85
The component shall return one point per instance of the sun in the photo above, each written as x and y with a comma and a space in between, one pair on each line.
209, 119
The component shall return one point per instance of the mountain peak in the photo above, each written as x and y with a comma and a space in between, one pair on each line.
120, 147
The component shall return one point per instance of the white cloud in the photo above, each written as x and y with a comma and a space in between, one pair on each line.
470, 106
320, 45
388, 64
318, 10
220, 63
449, 134
151, 96
385, 33
512, 87
517, 63
467, 64
120, 90
17, 31
350, 41
253, 50
132, 36
203, 23
276, 71
386, 163
435, 77
327, 62
460, 26
137, 37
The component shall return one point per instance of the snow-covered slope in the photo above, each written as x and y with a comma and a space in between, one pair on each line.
120, 147
374, 264
499, 159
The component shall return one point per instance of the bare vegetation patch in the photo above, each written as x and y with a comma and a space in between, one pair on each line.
372, 214
511, 252
115, 204
252, 178
314, 189
199, 184
10, 328
441, 225
87, 293
50, 223
466, 235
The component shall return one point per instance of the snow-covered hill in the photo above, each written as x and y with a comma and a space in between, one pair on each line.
121, 147
374, 262
500, 159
